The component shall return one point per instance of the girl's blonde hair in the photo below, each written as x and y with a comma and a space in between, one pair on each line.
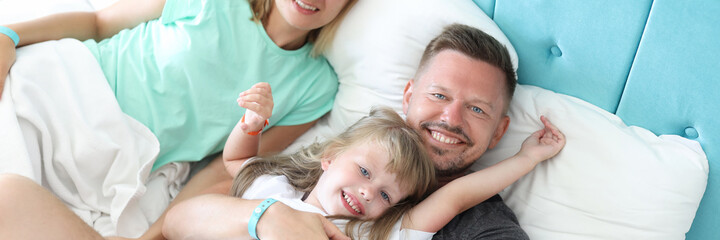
408, 160
321, 37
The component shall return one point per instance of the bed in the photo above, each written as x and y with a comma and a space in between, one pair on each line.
644, 73
631, 83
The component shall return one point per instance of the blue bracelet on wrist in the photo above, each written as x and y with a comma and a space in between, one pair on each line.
10, 33
255, 217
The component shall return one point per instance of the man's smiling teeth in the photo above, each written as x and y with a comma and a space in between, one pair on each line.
442, 138
305, 6
350, 202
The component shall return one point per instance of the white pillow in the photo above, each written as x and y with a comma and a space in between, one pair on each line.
377, 49
610, 181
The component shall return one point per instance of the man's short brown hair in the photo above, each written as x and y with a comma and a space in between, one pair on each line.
475, 44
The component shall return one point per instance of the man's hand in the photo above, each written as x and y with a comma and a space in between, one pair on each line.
543, 144
258, 102
7, 58
282, 222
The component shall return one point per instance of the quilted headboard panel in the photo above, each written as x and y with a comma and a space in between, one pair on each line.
673, 89
656, 64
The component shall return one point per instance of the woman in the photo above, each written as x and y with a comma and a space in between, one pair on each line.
174, 70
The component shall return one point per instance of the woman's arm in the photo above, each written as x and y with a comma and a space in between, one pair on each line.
80, 25
86, 25
205, 217
467, 191
223, 217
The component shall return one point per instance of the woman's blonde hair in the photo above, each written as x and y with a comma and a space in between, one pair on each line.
408, 160
321, 37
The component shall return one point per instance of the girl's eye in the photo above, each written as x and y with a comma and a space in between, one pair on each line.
476, 109
385, 196
364, 171
439, 96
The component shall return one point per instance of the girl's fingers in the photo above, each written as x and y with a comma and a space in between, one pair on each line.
555, 131
538, 134
263, 88
261, 85
257, 108
263, 109
257, 98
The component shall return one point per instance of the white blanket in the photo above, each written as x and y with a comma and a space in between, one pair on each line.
62, 127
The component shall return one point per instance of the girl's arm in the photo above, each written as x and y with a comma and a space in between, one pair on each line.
467, 191
80, 25
244, 140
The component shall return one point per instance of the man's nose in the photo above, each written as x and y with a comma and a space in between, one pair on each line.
452, 114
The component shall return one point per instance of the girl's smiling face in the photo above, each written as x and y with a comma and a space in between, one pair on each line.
356, 183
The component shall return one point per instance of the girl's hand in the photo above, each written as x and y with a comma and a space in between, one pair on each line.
258, 103
543, 144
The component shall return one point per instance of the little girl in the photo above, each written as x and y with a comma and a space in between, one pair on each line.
377, 170
377, 167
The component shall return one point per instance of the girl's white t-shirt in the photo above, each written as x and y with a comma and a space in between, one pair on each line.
278, 187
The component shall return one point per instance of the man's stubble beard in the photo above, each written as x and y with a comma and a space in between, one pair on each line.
452, 167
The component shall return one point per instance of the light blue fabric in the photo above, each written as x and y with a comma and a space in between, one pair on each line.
674, 88
573, 47
488, 6
653, 63
180, 75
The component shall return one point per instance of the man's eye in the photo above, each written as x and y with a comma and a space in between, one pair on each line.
364, 171
385, 196
439, 96
477, 109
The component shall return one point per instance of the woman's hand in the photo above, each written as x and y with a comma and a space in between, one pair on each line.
258, 103
543, 144
7, 58
283, 222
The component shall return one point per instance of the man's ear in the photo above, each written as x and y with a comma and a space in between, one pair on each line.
499, 131
407, 93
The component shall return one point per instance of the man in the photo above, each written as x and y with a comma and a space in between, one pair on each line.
458, 101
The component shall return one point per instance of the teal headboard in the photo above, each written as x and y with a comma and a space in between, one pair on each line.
655, 64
